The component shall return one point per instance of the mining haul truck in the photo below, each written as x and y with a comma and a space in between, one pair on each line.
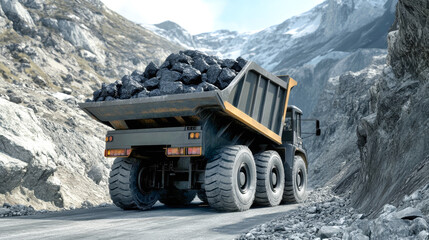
233, 147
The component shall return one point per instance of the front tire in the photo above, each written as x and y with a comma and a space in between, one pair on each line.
296, 190
128, 185
230, 179
271, 179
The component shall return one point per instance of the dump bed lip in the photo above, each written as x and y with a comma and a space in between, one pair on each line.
187, 102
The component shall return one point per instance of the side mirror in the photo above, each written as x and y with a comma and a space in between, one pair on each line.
318, 131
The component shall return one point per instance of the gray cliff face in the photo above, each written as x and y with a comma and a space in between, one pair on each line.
393, 140
53, 55
343, 102
375, 122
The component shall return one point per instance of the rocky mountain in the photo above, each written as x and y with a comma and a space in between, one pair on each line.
53, 55
221, 43
375, 142
331, 39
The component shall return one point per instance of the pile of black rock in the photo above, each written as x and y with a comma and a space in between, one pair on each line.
184, 72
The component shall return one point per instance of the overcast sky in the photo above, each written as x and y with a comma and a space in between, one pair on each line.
199, 16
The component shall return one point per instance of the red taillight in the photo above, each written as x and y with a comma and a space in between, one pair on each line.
182, 151
117, 152
194, 151
109, 138
175, 151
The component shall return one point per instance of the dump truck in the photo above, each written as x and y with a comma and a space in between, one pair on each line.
233, 147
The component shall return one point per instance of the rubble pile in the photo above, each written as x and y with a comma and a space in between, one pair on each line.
327, 216
184, 72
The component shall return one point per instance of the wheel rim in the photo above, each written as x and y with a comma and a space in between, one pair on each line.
274, 178
299, 180
144, 181
243, 177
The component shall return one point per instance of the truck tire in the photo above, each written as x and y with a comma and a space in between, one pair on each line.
202, 196
177, 197
271, 179
230, 179
296, 190
126, 185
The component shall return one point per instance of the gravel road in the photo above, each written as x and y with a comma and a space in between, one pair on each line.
195, 222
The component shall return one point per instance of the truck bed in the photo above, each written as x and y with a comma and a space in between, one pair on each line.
255, 97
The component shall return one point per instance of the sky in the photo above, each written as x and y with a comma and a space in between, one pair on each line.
198, 16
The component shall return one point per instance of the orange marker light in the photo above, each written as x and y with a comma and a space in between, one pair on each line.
197, 135
117, 152
191, 135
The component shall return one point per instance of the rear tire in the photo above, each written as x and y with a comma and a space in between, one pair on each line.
177, 197
230, 179
271, 179
296, 190
126, 191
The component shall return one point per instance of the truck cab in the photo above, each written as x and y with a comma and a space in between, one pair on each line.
292, 128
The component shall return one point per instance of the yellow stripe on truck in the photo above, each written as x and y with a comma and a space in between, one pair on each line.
252, 123
292, 83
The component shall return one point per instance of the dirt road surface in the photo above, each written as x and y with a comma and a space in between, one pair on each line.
197, 221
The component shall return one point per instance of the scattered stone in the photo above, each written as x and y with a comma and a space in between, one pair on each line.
213, 73
179, 67
154, 93
136, 73
151, 83
171, 87
67, 90
228, 63
423, 235
329, 231
87, 204
419, 224
241, 63
40, 81
225, 78
166, 75
201, 65
312, 209
15, 99
191, 76
129, 88
150, 70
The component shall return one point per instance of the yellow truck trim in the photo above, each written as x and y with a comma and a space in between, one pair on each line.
252, 123
292, 83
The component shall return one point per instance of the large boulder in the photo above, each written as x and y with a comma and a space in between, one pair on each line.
22, 21
47, 164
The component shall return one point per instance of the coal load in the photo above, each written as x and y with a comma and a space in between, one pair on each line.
184, 72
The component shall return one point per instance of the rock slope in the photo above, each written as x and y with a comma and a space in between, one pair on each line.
374, 148
393, 139
375, 140
53, 55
